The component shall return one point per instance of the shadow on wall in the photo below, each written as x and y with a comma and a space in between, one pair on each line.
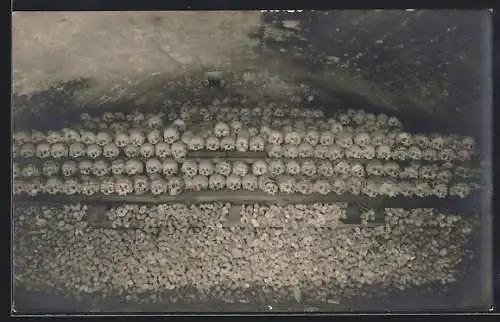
424, 62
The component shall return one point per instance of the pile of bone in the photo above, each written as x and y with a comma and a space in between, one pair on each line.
54, 250
354, 152
373, 178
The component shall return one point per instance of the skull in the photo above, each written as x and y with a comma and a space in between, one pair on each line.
54, 137
400, 153
196, 143
275, 137
368, 152
118, 127
446, 154
54, 186
257, 144
103, 138
414, 153
154, 137
312, 137
436, 141
124, 186
212, 143
410, 172
253, 131
339, 186
429, 155
169, 167
461, 190
382, 120
186, 137
463, 172
117, 167
122, 140
371, 188
274, 151
321, 151
110, 150
30, 170
325, 169
362, 139
206, 168
228, 143
404, 139
222, 129
391, 169
131, 151
59, 150
357, 170
383, 152
335, 152
71, 187
162, 150
292, 167
440, 190
336, 127
265, 131
290, 151
453, 142
257, 112
306, 150
21, 138
216, 182
189, 168
444, 176
421, 140
153, 166
136, 137
233, 182
108, 186
154, 122
171, 135
378, 138
94, 151
100, 168
293, 138
354, 152
147, 150
158, 186
200, 183
259, 168
327, 138
69, 168
236, 127
242, 142
344, 119
358, 117
249, 182
344, 139
286, 184
16, 170
77, 150
406, 189
134, 167
240, 169
468, 143
36, 137
28, 150
322, 187
428, 172
464, 155
141, 185
108, 117
423, 189
88, 138
89, 186
84, 166
375, 168
389, 188
223, 168
394, 122
370, 118
71, 136
267, 185
342, 168
354, 185
137, 118
179, 150
276, 168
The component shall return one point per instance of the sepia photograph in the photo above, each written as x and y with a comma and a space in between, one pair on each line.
251, 161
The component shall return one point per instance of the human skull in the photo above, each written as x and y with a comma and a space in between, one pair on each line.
206, 168
394, 122
76, 150
322, 187
124, 186
371, 188
321, 151
292, 167
342, 168
357, 170
362, 139
153, 166
404, 138
103, 138
122, 140
383, 152
414, 153
30, 170
335, 127
344, 139
154, 122
169, 167
468, 143
89, 186
358, 117
233, 182
20, 138
423, 189
94, 151
117, 167
378, 138
267, 185
136, 137
274, 151
421, 140
275, 137
400, 153
71, 136
339, 186
464, 155
286, 184
196, 143
171, 135
16, 170
327, 138
69, 168
223, 167
141, 185
375, 168
131, 151
36, 137
71, 187
293, 137
213, 143
162, 150
306, 150
228, 143
110, 150
189, 168
54, 185
242, 143
154, 136
259, 168
444, 176
134, 167
446, 154
179, 125
391, 169
240, 169
354, 185
85, 167
440, 190
335, 152
389, 188
222, 129
265, 131
276, 168
54, 137
312, 137
344, 119
354, 152
179, 150
216, 182
58, 150
325, 169
107, 117
28, 150
100, 168
429, 155
108, 186
461, 190
147, 150
88, 137
200, 183
249, 182
158, 186
436, 141
428, 172
368, 152
410, 172
257, 144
